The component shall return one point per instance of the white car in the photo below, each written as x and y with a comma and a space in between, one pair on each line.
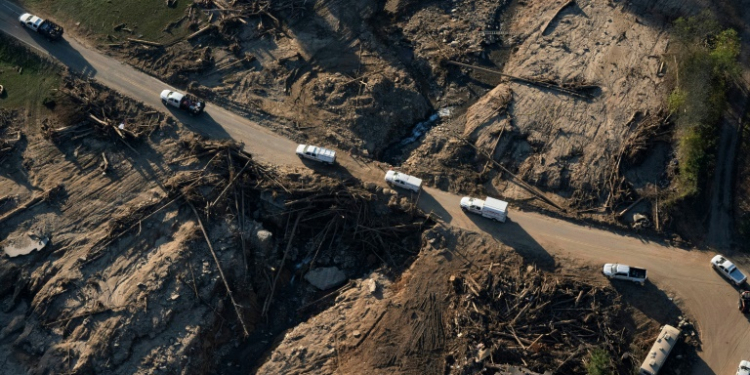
316, 153
728, 270
744, 368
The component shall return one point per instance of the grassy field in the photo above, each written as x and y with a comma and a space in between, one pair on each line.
147, 18
29, 87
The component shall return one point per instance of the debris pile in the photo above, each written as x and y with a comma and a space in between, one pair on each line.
103, 114
539, 321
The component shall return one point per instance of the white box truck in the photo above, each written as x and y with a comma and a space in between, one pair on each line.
490, 208
405, 181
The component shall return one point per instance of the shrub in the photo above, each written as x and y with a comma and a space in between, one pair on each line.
599, 363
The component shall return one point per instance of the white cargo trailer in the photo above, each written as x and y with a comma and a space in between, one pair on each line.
490, 208
664, 344
403, 180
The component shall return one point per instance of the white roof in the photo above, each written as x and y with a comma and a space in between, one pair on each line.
496, 204
319, 152
411, 180
661, 349
171, 94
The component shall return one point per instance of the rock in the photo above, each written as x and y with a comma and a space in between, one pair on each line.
372, 285
325, 277
482, 355
356, 333
263, 240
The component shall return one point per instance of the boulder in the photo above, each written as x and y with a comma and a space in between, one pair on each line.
325, 277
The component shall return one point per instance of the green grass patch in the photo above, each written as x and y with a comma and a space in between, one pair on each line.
33, 84
707, 64
147, 18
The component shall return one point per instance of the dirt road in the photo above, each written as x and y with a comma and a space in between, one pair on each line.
682, 273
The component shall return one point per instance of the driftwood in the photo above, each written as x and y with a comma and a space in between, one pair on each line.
199, 32
269, 299
221, 272
146, 42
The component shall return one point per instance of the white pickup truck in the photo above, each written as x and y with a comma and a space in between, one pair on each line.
316, 153
727, 269
46, 28
405, 181
183, 102
623, 272
490, 208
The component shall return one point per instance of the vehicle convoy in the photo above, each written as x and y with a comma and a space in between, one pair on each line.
728, 270
623, 272
491, 208
46, 28
316, 153
405, 181
183, 102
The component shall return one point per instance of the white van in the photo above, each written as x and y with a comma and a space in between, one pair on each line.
316, 153
490, 208
403, 180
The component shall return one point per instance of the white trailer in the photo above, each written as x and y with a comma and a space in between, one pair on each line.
664, 344
405, 181
316, 153
490, 208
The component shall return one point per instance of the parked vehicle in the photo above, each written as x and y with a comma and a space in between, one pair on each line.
491, 208
728, 270
46, 28
744, 302
405, 181
744, 368
183, 102
623, 272
664, 344
316, 153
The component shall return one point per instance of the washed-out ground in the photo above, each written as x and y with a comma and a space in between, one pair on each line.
580, 113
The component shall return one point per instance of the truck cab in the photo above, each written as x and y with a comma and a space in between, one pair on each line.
31, 21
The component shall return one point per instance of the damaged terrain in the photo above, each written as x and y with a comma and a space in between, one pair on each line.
560, 105
157, 250
159, 246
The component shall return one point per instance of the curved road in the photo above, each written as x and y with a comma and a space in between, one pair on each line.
705, 296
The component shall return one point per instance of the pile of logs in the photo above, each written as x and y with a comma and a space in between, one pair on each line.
104, 115
535, 320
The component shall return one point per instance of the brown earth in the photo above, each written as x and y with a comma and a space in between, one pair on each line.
128, 282
468, 305
360, 76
